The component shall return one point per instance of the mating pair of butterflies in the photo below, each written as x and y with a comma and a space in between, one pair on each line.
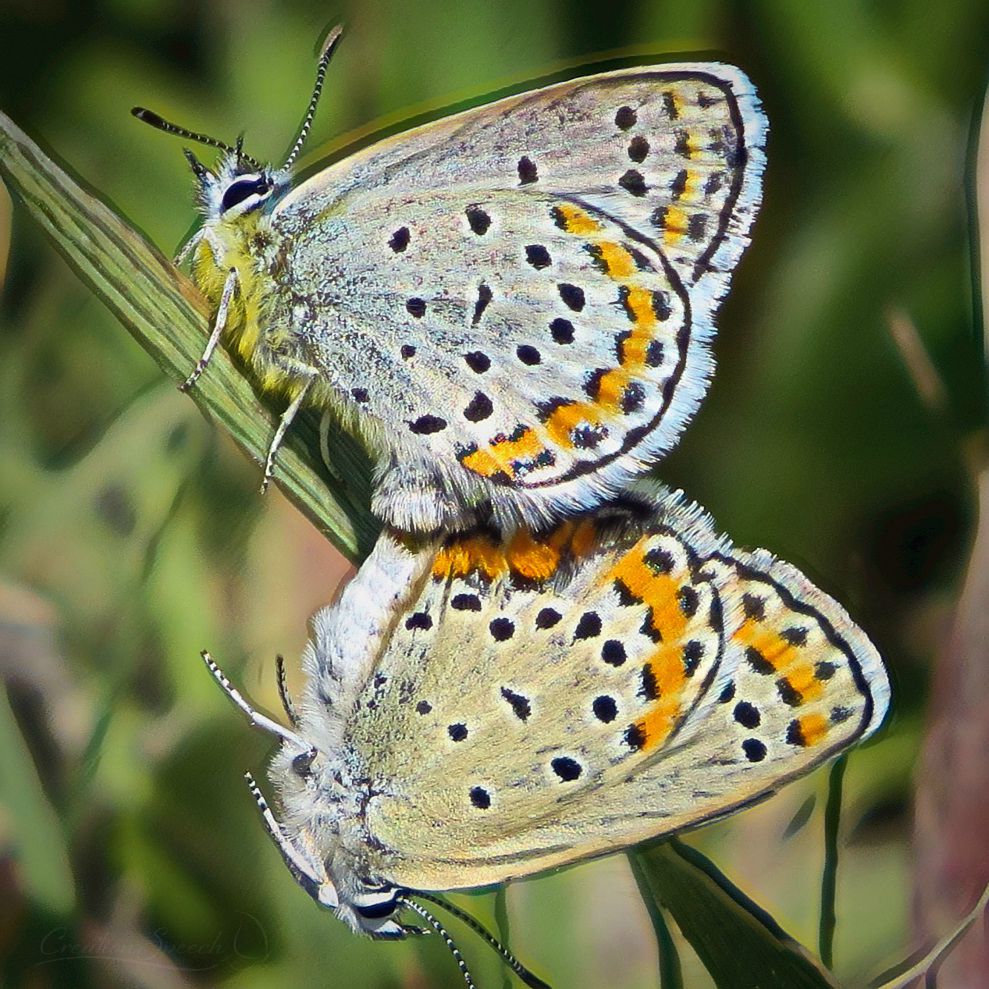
544, 658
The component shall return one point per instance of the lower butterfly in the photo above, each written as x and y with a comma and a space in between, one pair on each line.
481, 708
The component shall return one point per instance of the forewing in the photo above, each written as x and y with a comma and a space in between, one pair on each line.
522, 294
693, 133
654, 680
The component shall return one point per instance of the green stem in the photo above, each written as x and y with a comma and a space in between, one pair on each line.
168, 317
502, 926
670, 971
829, 877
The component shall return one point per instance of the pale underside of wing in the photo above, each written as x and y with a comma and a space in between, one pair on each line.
655, 680
521, 296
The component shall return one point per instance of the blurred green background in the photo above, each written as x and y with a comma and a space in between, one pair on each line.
132, 535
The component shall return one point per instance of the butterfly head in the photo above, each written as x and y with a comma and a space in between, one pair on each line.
318, 808
240, 183
238, 186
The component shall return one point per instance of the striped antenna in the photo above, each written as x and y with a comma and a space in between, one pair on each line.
318, 887
283, 693
475, 925
256, 718
160, 123
324, 59
443, 933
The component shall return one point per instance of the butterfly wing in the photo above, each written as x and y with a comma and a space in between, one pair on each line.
610, 682
516, 302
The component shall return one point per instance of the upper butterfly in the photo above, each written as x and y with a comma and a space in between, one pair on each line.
511, 306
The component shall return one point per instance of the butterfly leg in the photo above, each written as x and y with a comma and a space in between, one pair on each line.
287, 416
189, 246
229, 286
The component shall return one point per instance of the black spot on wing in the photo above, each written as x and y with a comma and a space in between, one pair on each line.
400, 240
625, 118
659, 560
638, 149
561, 330
501, 629
648, 687
747, 715
427, 424
758, 662
634, 737
478, 220
484, 297
755, 751
796, 635
520, 705
633, 397
588, 626
697, 227
634, 182
477, 361
528, 173
538, 256
547, 618
566, 768
572, 296
478, 408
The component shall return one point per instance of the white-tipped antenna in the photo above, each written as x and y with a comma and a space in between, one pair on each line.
324, 59
318, 887
257, 719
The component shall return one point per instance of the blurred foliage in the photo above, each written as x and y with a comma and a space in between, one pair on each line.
131, 534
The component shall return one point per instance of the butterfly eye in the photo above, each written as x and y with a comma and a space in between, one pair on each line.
244, 188
302, 763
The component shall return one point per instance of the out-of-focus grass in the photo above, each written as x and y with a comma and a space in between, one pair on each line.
138, 860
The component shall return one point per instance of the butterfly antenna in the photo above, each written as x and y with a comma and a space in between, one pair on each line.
443, 933
324, 59
475, 925
160, 123
256, 718
283, 693
318, 887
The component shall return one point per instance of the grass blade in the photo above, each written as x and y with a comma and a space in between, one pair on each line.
829, 875
740, 945
165, 313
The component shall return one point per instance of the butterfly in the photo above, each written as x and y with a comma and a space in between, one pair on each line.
481, 707
513, 306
